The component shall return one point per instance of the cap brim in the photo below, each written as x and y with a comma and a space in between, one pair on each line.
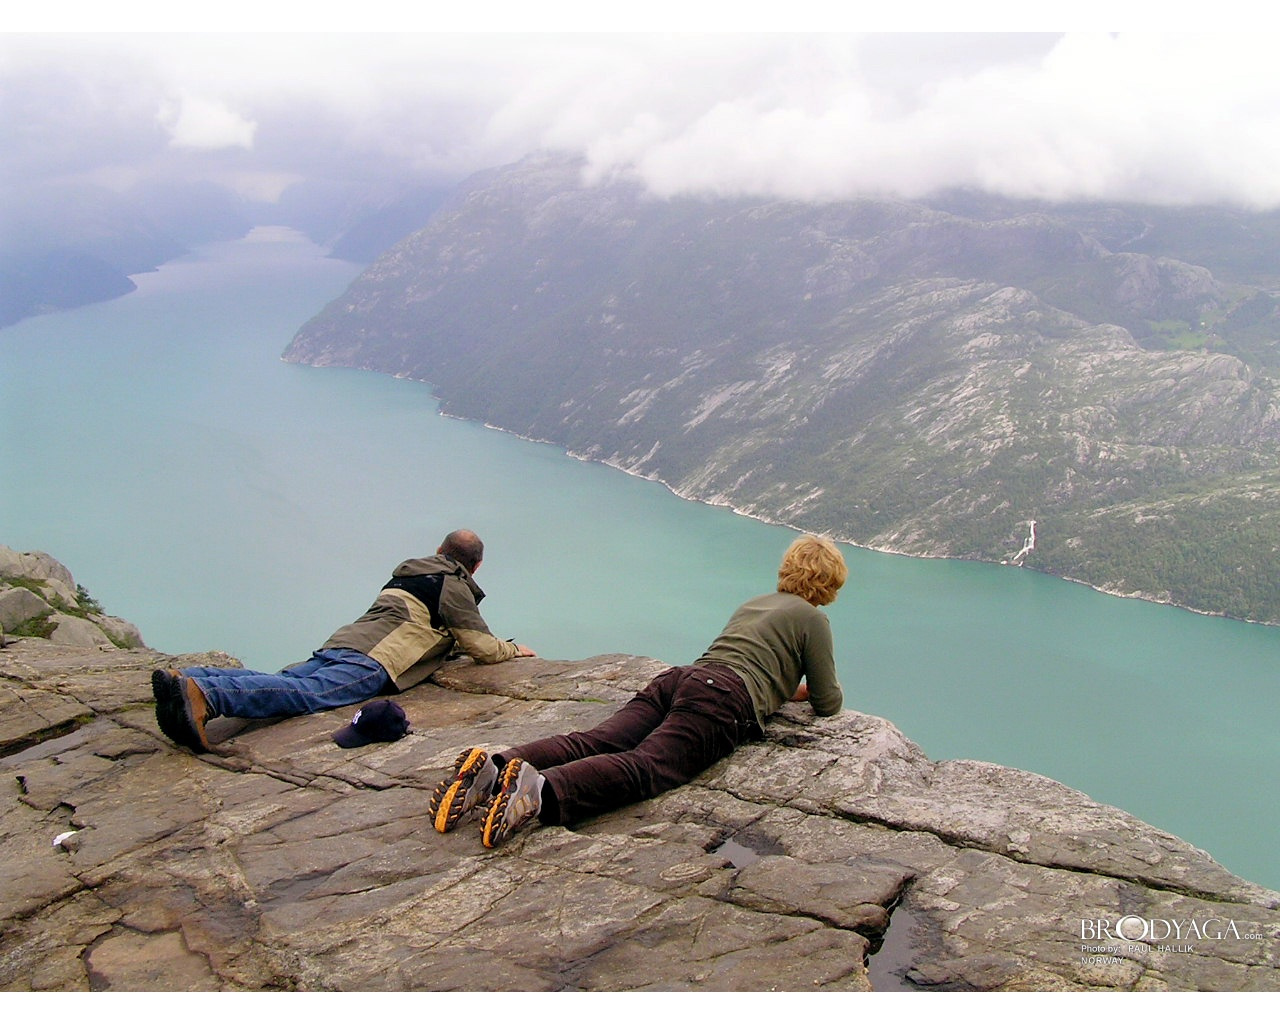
350, 736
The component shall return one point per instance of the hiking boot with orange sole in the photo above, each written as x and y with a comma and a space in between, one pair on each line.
516, 802
470, 786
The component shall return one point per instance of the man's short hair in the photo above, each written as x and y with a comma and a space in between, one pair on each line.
465, 547
814, 569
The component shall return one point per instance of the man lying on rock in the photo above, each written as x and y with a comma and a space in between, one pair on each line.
684, 721
425, 614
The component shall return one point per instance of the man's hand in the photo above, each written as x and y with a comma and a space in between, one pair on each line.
525, 652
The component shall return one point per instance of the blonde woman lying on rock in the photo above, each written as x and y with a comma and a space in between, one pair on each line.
775, 648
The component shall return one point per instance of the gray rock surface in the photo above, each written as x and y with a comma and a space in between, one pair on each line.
286, 862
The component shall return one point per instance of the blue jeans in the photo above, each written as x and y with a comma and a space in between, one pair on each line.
331, 679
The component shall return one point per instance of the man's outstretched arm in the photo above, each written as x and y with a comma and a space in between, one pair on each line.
471, 632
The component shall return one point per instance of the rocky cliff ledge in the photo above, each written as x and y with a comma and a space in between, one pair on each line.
834, 855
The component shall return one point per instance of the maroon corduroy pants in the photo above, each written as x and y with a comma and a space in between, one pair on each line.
679, 725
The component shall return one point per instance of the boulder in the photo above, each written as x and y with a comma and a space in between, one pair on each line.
19, 605
34, 565
68, 629
119, 631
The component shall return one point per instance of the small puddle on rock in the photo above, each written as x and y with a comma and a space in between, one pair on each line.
736, 854
888, 965
744, 849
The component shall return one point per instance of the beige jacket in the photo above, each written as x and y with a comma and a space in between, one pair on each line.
426, 613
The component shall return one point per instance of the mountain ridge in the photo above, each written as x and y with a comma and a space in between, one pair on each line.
885, 372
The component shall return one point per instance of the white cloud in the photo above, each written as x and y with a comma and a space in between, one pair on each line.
195, 122
1163, 117
1159, 118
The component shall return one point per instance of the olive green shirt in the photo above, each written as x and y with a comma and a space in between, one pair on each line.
774, 641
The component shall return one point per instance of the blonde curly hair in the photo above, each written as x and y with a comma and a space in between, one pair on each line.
814, 569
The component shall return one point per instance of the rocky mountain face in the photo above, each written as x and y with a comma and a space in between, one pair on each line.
925, 379
831, 856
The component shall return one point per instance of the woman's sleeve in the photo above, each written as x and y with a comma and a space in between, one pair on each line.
820, 669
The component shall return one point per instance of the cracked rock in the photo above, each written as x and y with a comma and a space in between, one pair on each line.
283, 862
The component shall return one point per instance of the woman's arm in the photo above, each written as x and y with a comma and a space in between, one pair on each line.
821, 686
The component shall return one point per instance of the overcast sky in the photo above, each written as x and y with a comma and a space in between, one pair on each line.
1181, 117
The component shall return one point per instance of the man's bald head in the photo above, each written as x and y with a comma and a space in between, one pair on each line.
463, 546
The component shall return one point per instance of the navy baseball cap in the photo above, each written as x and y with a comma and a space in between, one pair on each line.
380, 722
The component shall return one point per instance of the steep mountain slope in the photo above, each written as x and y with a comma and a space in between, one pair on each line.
896, 375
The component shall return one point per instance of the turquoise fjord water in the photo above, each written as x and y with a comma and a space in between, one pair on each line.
220, 498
